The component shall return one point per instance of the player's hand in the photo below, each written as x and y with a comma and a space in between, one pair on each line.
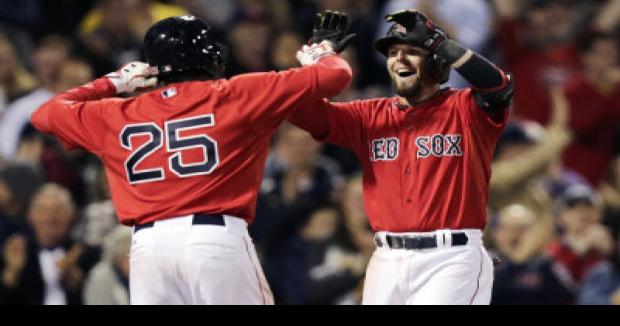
421, 31
311, 54
133, 76
332, 26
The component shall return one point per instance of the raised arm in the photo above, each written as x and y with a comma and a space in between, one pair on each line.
492, 86
74, 116
319, 116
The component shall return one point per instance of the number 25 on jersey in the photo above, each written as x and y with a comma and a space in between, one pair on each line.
174, 144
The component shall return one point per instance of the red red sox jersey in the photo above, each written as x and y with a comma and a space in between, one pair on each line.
426, 167
192, 147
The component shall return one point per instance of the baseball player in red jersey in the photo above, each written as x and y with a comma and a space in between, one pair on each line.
185, 160
426, 159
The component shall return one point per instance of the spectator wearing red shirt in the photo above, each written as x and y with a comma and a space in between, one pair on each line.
537, 46
594, 98
585, 241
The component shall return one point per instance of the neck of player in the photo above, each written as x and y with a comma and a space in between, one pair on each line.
425, 94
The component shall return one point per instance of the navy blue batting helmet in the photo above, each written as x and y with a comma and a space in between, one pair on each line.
183, 44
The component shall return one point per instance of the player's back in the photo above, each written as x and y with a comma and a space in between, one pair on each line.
190, 147
186, 148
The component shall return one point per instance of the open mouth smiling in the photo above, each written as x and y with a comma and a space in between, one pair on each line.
405, 72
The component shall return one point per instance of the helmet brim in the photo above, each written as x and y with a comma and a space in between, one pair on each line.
383, 44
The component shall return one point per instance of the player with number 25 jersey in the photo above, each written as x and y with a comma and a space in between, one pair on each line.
194, 148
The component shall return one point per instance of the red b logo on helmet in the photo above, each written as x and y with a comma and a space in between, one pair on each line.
400, 29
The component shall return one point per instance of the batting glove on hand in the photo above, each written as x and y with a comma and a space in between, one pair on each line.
332, 26
311, 54
421, 31
133, 76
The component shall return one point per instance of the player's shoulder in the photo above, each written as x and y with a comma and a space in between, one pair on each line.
456, 97
254, 76
458, 92
249, 82
116, 102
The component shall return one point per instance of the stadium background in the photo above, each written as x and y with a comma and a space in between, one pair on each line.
554, 211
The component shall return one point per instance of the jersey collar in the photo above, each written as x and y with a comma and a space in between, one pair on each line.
400, 104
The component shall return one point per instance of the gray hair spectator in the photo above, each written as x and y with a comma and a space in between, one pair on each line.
48, 268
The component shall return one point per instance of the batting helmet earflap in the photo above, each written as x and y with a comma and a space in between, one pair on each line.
183, 44
397, 33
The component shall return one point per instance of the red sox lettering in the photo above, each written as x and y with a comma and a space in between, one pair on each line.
439, 146
387, 149
384, 149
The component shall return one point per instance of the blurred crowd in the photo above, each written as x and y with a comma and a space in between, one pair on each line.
554, 206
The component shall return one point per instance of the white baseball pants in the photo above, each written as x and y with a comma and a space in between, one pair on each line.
175, 262
446, 275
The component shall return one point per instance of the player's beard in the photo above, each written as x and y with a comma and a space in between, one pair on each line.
410, 90
411, 87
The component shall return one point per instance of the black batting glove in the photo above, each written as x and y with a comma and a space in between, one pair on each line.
332, 26
421, 31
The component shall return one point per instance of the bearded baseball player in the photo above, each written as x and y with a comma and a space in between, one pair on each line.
185, 160
426, 159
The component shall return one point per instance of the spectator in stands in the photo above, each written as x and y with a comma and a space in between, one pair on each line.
50, 56
610, 193
249, 38
15, 80
107, 35
536, 39
216, 12
18, 183
321, 266
527, 155
99, 217
296, 181
594, 98
286, 45
601, 285
108, 281
47, 268
524, 274
585, 241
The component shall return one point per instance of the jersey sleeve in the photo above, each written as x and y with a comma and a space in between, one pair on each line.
268, 97
336, 123
479, 120
76, 117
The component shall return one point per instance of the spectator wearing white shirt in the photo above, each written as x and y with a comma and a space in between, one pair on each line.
49, 57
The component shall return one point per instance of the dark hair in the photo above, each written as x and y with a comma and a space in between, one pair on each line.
29, 133
579, 194
22, 181
587, 42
